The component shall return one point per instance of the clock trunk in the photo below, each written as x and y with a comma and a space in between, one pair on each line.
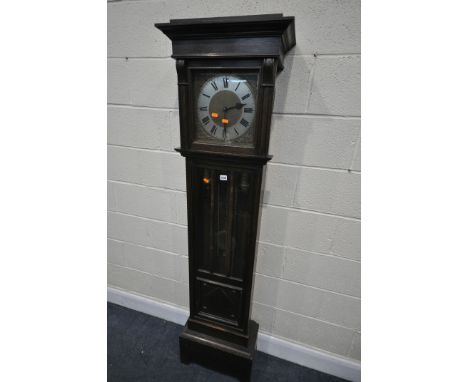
223, 212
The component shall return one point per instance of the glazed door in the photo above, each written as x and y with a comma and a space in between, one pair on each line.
223, 200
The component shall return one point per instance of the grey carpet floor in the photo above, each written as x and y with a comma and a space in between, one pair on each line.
145, 348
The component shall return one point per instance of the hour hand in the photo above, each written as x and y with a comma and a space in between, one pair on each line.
238, 106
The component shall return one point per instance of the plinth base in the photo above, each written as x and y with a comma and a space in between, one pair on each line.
219, 355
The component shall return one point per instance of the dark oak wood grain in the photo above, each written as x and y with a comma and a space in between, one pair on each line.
224, 183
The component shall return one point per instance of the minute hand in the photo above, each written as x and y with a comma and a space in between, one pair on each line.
238, 105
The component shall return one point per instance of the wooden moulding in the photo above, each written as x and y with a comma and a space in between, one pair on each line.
271, 35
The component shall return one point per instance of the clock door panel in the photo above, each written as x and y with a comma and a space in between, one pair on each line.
223, 219
223, 225
242, 221
221, 233
203, 225
219, 302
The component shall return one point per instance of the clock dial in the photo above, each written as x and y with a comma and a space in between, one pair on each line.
226, 107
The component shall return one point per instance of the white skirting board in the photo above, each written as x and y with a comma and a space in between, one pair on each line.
312, 358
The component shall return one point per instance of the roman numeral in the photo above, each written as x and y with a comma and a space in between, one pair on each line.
225, 82
215, 87
237, 86
236, 131
206, 120
248, 110
204, 108
244, 123
246, 96
206, 95
213, 129
224, 133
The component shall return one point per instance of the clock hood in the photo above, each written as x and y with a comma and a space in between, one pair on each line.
270, 35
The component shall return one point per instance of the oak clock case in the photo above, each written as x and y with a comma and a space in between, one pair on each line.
226, 71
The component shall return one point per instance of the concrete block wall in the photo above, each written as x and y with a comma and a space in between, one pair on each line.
307, 281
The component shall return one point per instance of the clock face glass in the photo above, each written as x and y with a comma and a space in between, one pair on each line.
225, 108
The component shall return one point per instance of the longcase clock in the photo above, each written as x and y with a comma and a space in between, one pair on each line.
226, 69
